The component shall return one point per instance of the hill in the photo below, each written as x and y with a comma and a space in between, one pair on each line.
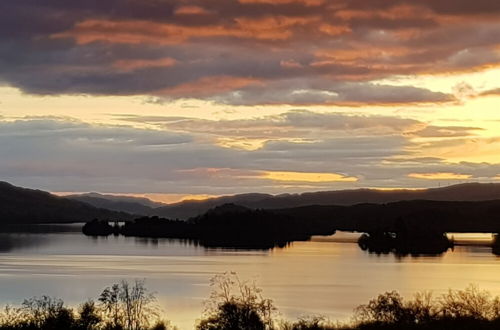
133, 205
22, 205
461, 192
416, 216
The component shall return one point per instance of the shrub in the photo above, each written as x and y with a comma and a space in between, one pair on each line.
88, 316
127, 306
234, 304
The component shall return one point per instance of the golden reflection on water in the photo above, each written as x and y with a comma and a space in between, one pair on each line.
327, 276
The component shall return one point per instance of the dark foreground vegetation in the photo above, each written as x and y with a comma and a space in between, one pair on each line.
235, 304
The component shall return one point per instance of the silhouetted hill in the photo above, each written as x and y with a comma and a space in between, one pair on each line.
417, 216
182, 210
21, 205
461, 192
191, 208
120, 198
133, 205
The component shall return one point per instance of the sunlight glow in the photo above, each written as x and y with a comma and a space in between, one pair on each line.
307, 177
440, 176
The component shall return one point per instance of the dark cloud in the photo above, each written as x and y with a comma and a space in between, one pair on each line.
297, 52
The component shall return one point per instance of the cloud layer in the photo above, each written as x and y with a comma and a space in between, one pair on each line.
195, 156
308, 94
247, 51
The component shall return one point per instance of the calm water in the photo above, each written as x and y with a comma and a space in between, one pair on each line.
328, 276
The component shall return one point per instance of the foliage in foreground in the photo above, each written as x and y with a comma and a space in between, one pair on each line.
236, 304
121, 306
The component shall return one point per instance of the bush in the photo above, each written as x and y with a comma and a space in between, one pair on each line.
89, 316
308, 323
121, 306
128, 306
461, 308
234, 304
469, 303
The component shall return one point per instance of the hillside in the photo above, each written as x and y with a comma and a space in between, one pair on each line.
21, 205
133, 205
416, 216
187, 209
461, 192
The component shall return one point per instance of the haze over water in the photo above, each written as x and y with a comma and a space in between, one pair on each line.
328, 275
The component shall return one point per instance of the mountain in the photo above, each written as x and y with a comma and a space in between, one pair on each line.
119, 198
418, 216
21, 205
460, 192
133, 205
191, 208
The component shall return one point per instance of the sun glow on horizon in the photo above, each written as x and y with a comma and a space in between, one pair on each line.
440, 176
306, 177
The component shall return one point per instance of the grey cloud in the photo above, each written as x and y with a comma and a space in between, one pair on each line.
66, 155
446, 131
32, 59
292, 125
323, 92
114, 157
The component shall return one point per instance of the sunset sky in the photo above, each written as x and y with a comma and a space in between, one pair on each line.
176, 99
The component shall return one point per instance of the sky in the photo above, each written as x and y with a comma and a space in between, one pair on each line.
175, 99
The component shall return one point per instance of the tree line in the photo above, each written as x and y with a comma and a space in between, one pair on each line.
236, 304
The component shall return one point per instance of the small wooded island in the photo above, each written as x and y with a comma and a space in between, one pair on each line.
403, 228
224, 226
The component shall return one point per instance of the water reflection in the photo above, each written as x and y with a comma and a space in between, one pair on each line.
327, 275
233, 245
34, 237
41, 228
10, 243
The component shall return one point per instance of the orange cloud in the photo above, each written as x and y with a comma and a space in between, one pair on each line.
281, 2
440, 176
397, 12
191, 10
357, 53
135, 31
131, 65
491, 92
334, 30
290, 64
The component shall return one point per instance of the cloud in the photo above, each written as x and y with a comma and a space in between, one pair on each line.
446, 131
296, 125
495, 91
65, 155
132, 65
440, 176
299, 51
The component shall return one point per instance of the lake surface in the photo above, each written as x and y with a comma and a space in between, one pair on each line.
327, 275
